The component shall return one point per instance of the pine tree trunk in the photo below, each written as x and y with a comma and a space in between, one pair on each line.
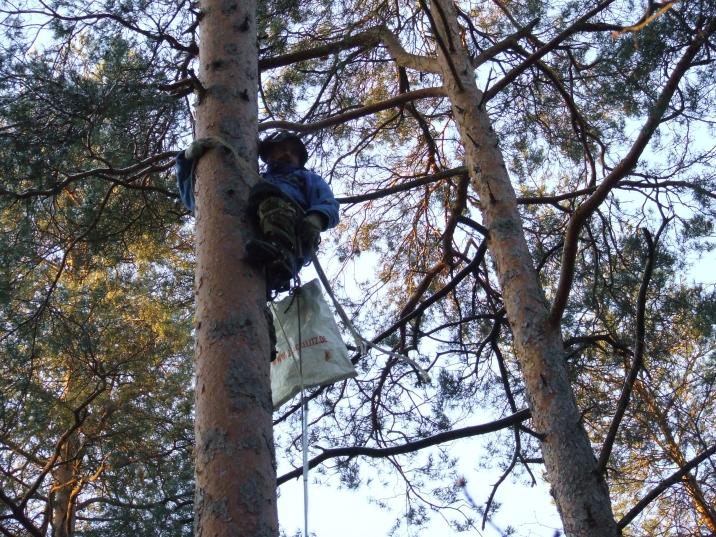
580, 491
65, 478
706, 512
235, 467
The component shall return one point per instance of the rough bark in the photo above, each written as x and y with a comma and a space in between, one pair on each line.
706, 512
63, 508
235, 466
579, 490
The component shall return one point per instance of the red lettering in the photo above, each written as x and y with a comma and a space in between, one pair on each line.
311, 342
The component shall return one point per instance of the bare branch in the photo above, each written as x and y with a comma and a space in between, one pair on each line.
665, 484
585, 210
354, 114
645, 20
410, 447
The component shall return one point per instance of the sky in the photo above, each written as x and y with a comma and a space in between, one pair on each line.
336, 510
353, 513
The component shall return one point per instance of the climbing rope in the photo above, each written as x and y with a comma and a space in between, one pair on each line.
304, 416
202, 144
362, 343
296, 293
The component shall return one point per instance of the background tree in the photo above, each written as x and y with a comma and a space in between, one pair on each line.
95, 292
602, 112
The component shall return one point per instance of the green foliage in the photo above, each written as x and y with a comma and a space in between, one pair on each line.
96, 271
95, 337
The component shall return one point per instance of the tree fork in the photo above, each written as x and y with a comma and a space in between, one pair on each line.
579, 489
234, 454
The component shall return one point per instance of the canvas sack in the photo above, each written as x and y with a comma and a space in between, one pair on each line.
324, 355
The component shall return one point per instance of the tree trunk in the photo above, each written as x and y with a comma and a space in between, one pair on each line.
235, 466
65, 475
65, 479
580, 491
706, 513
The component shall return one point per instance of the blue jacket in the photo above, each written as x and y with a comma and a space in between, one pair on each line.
305, 187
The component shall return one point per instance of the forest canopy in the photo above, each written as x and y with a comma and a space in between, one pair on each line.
594, 120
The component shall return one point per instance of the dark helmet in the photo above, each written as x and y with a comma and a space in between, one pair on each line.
282, 137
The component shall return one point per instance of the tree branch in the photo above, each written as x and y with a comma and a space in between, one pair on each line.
506, 44
130, 505
638, 359
446, 174
645, 20
19, 515
549, 199
546, 49
665, 484
468, 269
409, 447
354, 114
624, 167
159, 37
371, 37
80, 416
140, 168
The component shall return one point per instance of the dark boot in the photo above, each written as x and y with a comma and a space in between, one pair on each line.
262, 251
277, 246
272, 332
279, 264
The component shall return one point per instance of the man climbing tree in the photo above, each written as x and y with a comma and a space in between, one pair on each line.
289, 207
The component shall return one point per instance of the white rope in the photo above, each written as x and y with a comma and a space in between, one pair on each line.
304, 402
217, 141
304, 418
362, 343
